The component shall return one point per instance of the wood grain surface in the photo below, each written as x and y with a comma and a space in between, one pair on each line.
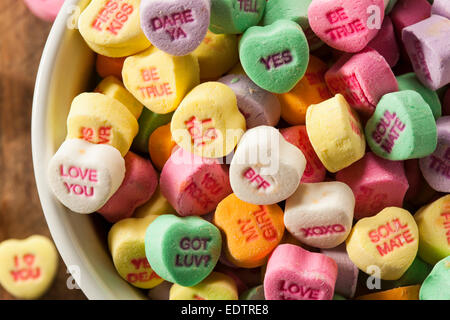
22, 39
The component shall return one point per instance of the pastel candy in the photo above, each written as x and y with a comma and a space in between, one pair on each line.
435, 286
208, 122
409, 81
176, 27
112, 27
385, 42
161, 291
160, 146
256, 293
432, 66
436, 167
402, 127
347, 277
335, 133
362, 78
182, 250
194, 185
311, 89
343, 25
136, 189
409, 12
296, 274
441, 8
217, 286
106, 66
231, 16
250, 231
157, 205
84, 176
376, 183
433, 221
298, 136
126, 241
159, 80
45, 9
265, 169
259, 107
388, 240
275, 56
28, 266
320, 214
402, 293
416, 273
100, 119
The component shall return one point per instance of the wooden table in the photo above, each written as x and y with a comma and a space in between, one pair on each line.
22, 39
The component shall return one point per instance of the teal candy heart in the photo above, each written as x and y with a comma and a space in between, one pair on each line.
182, 250
275, 56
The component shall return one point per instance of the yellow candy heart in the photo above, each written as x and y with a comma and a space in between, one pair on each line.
217, 286
126, 241
28, 266
159, 80
100, 119
335, 133
433, 221
157, 205
388, 241
208, 122
112, 27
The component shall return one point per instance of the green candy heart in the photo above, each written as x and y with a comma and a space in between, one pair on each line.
276, 56
182, 250
437, 285
415, 274
409, 81
402, 127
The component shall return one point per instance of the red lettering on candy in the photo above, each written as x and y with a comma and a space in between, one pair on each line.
323, 230
387, 131
293, 291
103, 135
446, 223
27, 272
392, 235
112, 16
202, 131
253, 177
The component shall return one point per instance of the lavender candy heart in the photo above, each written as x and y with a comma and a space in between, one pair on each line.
175, 26
436, 167
259, 107
441, 8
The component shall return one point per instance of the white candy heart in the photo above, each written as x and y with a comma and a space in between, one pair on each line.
266, 169
83, 176
320, 214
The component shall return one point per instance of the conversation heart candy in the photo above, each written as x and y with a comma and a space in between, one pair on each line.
235, 16
377, 183
335, 133
345, 26
126, 241
100, 119
106, 66
217, 286
182, 250
161, 145
84, 176
402, 293
275, 56
28, 266
265, 169
112, 27
435, 286
250, 231
409, 12
208, 122
388, 240
159, 80
320, 214
176, 27
436, 167
256, 293
161, 291
433, 221
441, 8
298, 136
259, 107
416, 273
402, 127
385, 43
45, 9
157, 205
137, 187
194, 185
296, 274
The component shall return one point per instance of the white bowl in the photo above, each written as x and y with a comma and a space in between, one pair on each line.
66, 69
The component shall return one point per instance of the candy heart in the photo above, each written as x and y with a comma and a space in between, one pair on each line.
28, 266
161, 146
345, 26
176, 27
45, 9
388, 241
441, 8
217, 286
83, 176
275, 57
159, 80
265, 169
435, 286
182, 250
296, 274
320, 214
157, 205
402, 293
126, 241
